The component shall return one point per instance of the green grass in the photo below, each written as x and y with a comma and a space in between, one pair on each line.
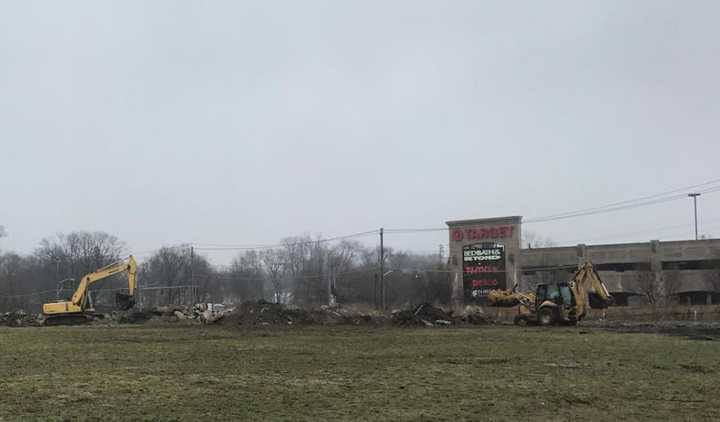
179, 373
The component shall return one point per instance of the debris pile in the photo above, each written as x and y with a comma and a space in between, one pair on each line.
424, 314
206, 313
19, 318
428, 315
328, 315
264, 313
475, 315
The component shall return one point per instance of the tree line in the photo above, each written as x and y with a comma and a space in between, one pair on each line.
304, 271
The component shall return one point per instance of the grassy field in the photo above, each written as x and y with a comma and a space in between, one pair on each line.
178, 373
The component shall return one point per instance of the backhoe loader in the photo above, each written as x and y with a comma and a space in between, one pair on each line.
78, 309
561, 303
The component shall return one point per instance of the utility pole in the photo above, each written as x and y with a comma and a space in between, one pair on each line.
376, 301
192, 273
694, 197
382, 270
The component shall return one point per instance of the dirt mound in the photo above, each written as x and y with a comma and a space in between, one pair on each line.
327, 315
262, 313
265, 313
428, 315
424, 314
19, 318
131, 316
474, 315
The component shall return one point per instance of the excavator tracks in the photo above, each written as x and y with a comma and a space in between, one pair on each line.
54, 320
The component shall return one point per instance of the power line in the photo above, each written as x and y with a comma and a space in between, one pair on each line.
622, 204
606, 209
635, 232
643, 201
231, 277
279, 245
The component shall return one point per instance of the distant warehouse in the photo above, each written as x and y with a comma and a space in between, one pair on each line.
635, 273
486, 254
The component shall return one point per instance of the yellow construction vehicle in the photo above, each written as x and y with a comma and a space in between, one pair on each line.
556, 303
78, 309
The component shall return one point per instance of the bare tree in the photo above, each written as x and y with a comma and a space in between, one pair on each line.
174, 266
168, 266
3, 232
78, 253
313, 289
73, 255
299, 255
245, 277
671, 287
275, 263
535, 240
648, 286
15, 274
341, 259
297, 252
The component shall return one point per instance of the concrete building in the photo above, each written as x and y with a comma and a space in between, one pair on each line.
486, 254
685, 271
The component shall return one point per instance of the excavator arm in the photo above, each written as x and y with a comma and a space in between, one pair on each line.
80, 295
77, 302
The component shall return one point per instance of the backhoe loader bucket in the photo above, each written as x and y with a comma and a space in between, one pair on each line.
124, 301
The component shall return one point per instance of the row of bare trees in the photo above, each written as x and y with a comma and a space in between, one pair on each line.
303, 270
30, 280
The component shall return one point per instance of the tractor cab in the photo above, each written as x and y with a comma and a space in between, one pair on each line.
555, 303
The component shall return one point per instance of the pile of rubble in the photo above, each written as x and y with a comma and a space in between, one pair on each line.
424, 314
264, 313
20, 318
206, 313
428, 315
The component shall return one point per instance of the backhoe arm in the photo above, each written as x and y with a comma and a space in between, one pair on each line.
80, 295
586, 279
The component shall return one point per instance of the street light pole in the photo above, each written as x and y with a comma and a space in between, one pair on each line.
694, 197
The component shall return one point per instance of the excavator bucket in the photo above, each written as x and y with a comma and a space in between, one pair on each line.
124, 301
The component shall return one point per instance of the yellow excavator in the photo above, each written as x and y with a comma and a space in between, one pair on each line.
562, 303
77, 308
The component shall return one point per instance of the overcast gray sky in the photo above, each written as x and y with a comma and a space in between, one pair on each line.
244, 122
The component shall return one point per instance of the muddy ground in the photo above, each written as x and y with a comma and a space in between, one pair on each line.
695, 330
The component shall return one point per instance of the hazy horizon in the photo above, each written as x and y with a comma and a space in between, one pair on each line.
243, 123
